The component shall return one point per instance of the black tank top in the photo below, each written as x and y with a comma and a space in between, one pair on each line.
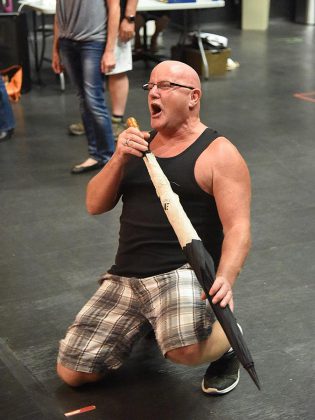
147, 242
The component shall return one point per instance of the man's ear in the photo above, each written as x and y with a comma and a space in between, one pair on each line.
195, 96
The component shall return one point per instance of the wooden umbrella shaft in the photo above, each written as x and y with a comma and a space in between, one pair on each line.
172, 207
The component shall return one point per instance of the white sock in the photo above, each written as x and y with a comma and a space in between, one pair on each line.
231, 348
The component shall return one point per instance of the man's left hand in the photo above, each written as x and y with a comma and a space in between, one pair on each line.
126, 30
221, 292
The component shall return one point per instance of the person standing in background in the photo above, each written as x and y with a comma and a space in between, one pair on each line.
85, 37
118, 82
161, 22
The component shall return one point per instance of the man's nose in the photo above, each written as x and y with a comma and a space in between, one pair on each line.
154, 90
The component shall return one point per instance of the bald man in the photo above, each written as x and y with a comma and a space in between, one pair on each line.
150, 282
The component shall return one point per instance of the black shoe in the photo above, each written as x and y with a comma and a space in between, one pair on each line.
79, 169
222, 375
5, 135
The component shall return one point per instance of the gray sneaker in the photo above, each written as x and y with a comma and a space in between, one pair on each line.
76, 129
118, 126
222, 375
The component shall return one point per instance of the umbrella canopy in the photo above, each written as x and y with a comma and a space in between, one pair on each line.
197, 256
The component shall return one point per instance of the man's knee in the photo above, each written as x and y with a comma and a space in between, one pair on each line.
74, 378
188, 355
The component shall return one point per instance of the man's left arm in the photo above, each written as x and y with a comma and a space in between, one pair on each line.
127, 25
231, 188
113, 16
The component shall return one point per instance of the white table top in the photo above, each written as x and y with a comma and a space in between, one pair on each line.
49, 6
156, 5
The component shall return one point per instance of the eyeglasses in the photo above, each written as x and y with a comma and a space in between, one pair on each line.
164, 85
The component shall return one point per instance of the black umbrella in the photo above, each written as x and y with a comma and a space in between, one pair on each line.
201, 262
197, 256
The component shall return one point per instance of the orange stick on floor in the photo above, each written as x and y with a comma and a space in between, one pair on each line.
80, 410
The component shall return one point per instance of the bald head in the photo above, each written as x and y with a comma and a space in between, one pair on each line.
177, 71
177, 106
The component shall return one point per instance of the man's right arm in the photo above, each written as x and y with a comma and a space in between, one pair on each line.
103, 191
56, 63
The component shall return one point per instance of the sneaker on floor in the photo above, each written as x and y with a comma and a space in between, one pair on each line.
76, 129
222, 375
118, 127
6, 135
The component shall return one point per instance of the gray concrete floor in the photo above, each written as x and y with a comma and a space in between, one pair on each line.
52, 251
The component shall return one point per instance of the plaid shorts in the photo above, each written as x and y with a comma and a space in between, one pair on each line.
108, 325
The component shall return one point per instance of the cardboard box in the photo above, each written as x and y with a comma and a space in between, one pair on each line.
217, 60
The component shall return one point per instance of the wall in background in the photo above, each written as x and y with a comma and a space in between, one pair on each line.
283, 9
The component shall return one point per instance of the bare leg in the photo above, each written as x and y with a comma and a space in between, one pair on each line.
160, 24
118, 86
206, 351
75, 379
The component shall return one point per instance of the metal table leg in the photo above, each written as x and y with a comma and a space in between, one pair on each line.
203, 56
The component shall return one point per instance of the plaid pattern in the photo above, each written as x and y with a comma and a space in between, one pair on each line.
106, 328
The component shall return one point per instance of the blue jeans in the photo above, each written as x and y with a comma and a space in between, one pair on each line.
82, 61
7, 121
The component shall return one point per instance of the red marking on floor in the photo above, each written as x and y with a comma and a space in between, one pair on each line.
306, 96
80, 411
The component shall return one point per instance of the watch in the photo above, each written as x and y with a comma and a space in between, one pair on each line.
130, 19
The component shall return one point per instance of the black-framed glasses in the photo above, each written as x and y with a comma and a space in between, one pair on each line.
164, 85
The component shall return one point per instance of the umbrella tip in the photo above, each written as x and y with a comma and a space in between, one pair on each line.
254, 376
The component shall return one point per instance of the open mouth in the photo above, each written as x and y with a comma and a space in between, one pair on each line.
155, 110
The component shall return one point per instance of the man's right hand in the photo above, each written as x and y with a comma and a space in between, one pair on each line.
56, 63
103, 191
132, 142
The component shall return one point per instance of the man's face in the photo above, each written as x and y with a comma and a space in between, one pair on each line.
169, 108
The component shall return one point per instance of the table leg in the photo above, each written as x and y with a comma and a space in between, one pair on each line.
62, 81
43, 46
34, 19
203, 56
